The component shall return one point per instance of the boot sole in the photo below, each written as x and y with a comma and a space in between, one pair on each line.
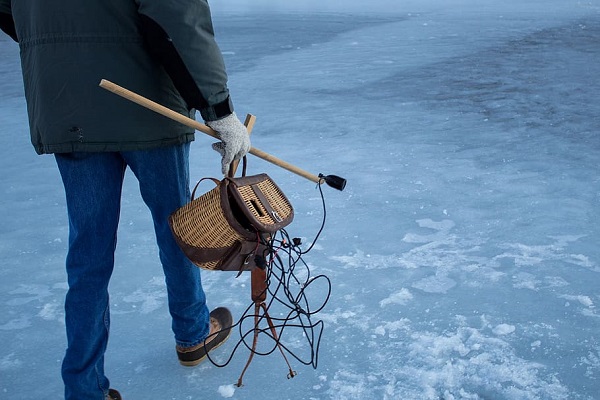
198, 361
223, 316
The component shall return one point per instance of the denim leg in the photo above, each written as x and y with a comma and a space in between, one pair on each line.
93, 183
163, 176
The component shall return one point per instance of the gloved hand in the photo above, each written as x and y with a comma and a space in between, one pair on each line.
235, 141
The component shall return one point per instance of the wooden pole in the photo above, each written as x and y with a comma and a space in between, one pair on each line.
192, 123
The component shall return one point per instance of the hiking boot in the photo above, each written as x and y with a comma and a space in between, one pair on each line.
113, 395
220, 328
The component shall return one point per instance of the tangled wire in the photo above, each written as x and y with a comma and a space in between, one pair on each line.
284, 286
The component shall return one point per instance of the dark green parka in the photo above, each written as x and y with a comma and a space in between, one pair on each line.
162, 49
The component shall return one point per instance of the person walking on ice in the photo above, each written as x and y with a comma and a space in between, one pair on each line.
166, 51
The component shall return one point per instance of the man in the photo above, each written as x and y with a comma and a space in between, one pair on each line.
166, 51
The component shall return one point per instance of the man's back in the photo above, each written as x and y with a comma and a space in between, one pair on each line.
66, 49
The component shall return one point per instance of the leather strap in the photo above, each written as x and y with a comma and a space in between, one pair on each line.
216, 181
265, 203
231, 173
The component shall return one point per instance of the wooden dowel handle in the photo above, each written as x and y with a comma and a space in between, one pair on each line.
167, 112
192, 123
285, 165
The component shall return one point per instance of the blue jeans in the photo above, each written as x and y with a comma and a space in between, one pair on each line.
93, 183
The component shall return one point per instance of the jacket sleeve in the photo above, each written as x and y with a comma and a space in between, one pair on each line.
179, 33
6, 21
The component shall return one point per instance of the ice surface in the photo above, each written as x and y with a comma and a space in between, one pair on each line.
463, 253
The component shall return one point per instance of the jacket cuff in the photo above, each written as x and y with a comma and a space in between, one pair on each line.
217, 111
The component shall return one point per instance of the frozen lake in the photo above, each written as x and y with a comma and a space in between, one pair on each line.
463, 253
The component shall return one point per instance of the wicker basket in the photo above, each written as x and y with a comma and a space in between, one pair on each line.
222, 229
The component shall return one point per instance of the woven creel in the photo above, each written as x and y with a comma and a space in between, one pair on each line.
221, 229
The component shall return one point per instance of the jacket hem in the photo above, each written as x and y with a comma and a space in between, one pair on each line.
71, 147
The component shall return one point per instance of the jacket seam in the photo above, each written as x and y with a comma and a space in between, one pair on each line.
55, 39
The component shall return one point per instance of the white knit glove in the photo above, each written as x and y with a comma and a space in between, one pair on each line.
235, 141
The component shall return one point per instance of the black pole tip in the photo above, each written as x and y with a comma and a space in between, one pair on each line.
336, 182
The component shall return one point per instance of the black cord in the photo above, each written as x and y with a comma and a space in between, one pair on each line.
287, 279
